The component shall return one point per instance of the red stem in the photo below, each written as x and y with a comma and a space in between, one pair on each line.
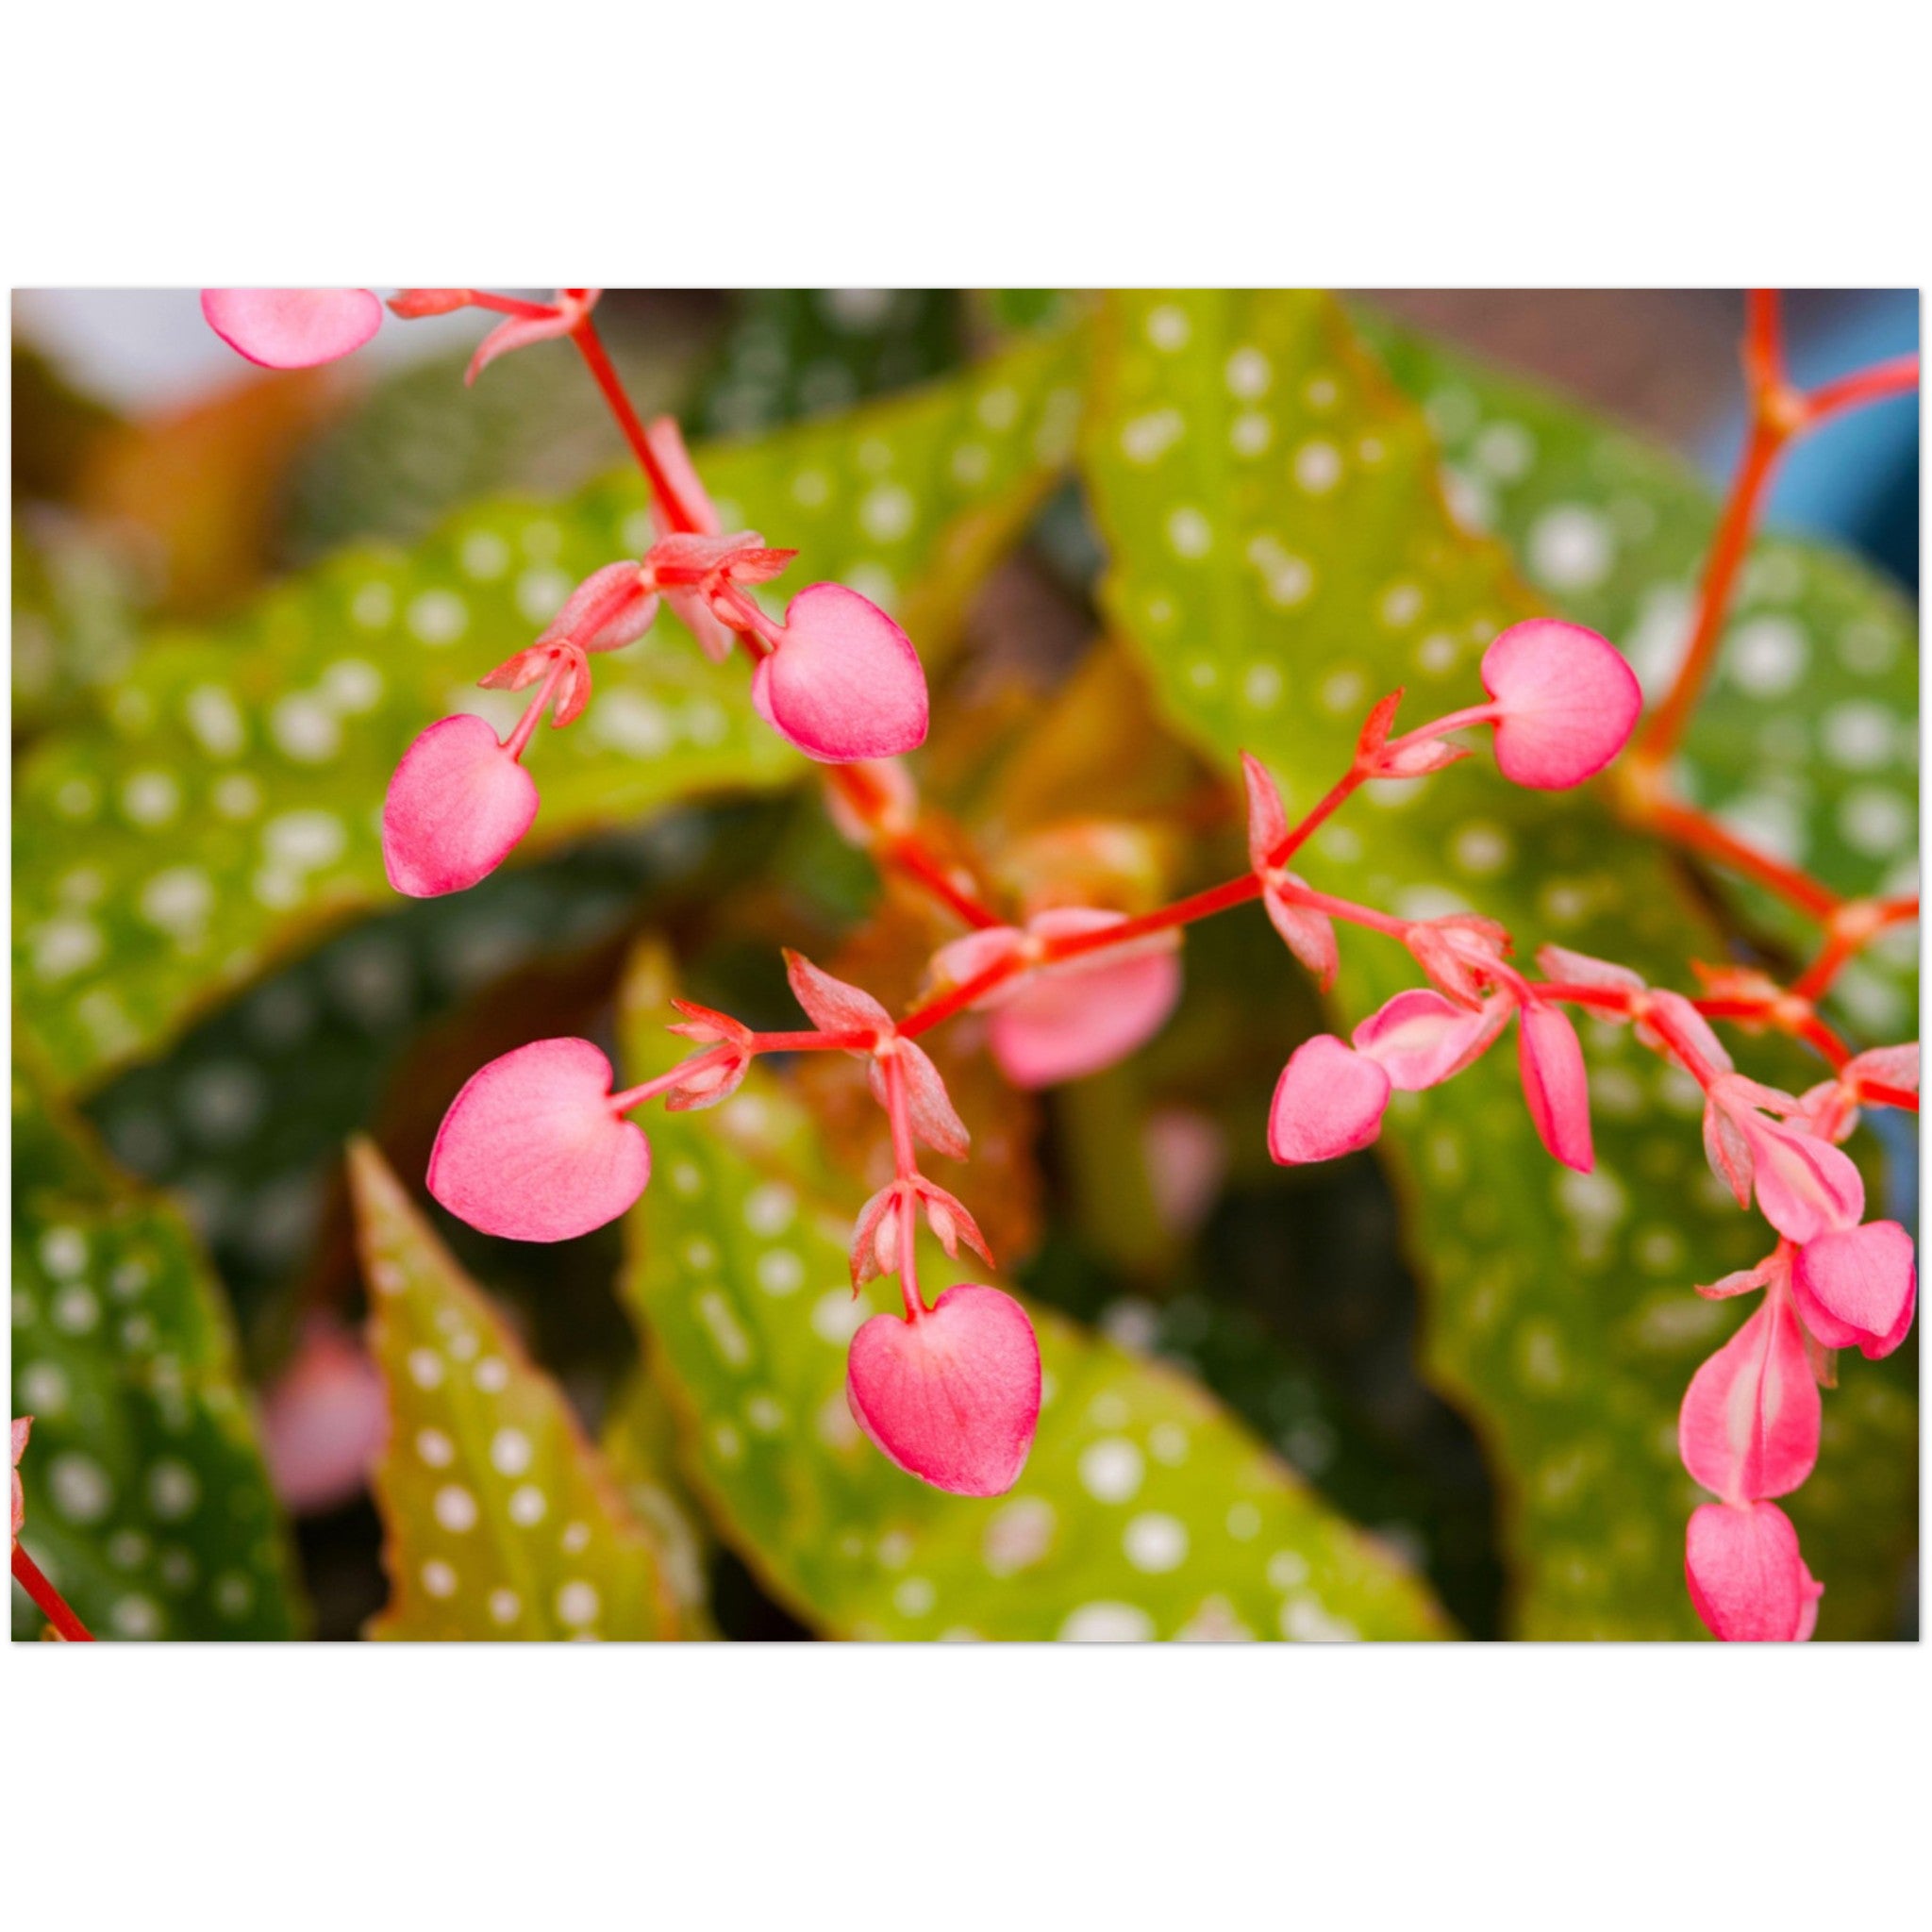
1898, 377
48, 1600
591, 347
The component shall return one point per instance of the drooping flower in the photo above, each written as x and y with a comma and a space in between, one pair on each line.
1066, 1019
534, 1149
1748, 1427
1748, 1580
455, 807
1805, 1187
293, 328
323, 1421
951, 1396
1565, 703
843, 681
1555, 1083
692, 510
1855, 1286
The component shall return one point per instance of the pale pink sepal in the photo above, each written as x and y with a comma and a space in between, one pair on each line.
832, 1005
1419, 1039
531, 1149
928, 1106
1328, 1102
844, 681
1749, 1424
293, 328
1856, 1286
1556, 1085
455, 807
953, 1397
1581, 969
1748, 1580
1067, 1021
323, 1421
23, 1428
522, 331
1566, 699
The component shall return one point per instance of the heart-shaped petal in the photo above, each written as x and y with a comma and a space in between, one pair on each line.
1749, 1424
1568, 700
532, 1150
293, 328
953, 1397
1328, 1102
1747, 1579
845, 682
456, 805
1856, 1286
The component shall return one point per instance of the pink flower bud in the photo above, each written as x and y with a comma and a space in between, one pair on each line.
953, 1397
708, 1084
532, 1149
1566, 703
1556, 1084
456, 805
843, 681
323, 1421
1328, 1102
1748, 1581
293, 328
875, 1233
1748, 1427
412, 304
1805, 1186
1856, 1286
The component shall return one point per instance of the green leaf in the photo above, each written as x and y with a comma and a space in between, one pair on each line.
1146, 1509
1282, 556
1808, 739
148, 1502
501, 1520
224, 811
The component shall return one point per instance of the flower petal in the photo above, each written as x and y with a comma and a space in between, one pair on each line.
1329, 1101
1806, 1187
1419, 1039
1556, 1084
293, 328
22, 1429
1856, 1286
953, 1397
930, 1106
455, 807
532, 1150
1267, 821
1568, 702
845, 682
323, 1421
1749, 1424
1309, 934
1748, 1581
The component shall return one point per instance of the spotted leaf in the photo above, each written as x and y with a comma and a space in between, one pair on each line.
148, 1502
1146, 1509
224, 806
1281, 556
501, 1520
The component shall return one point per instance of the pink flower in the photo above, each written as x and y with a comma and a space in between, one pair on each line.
293, 328
1331, 1098
693, 510
876, 1232
534, 1148
952, 1396
843, 681
1803, 1185
711, 1080
323, 1421
1749, 1423
1748, 1581
23, 1428
1855, 1286
1328, 1102
1565, 703
1070, 1018
1555, 1083
455, 807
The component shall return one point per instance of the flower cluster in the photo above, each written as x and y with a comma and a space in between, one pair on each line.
539, 1144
